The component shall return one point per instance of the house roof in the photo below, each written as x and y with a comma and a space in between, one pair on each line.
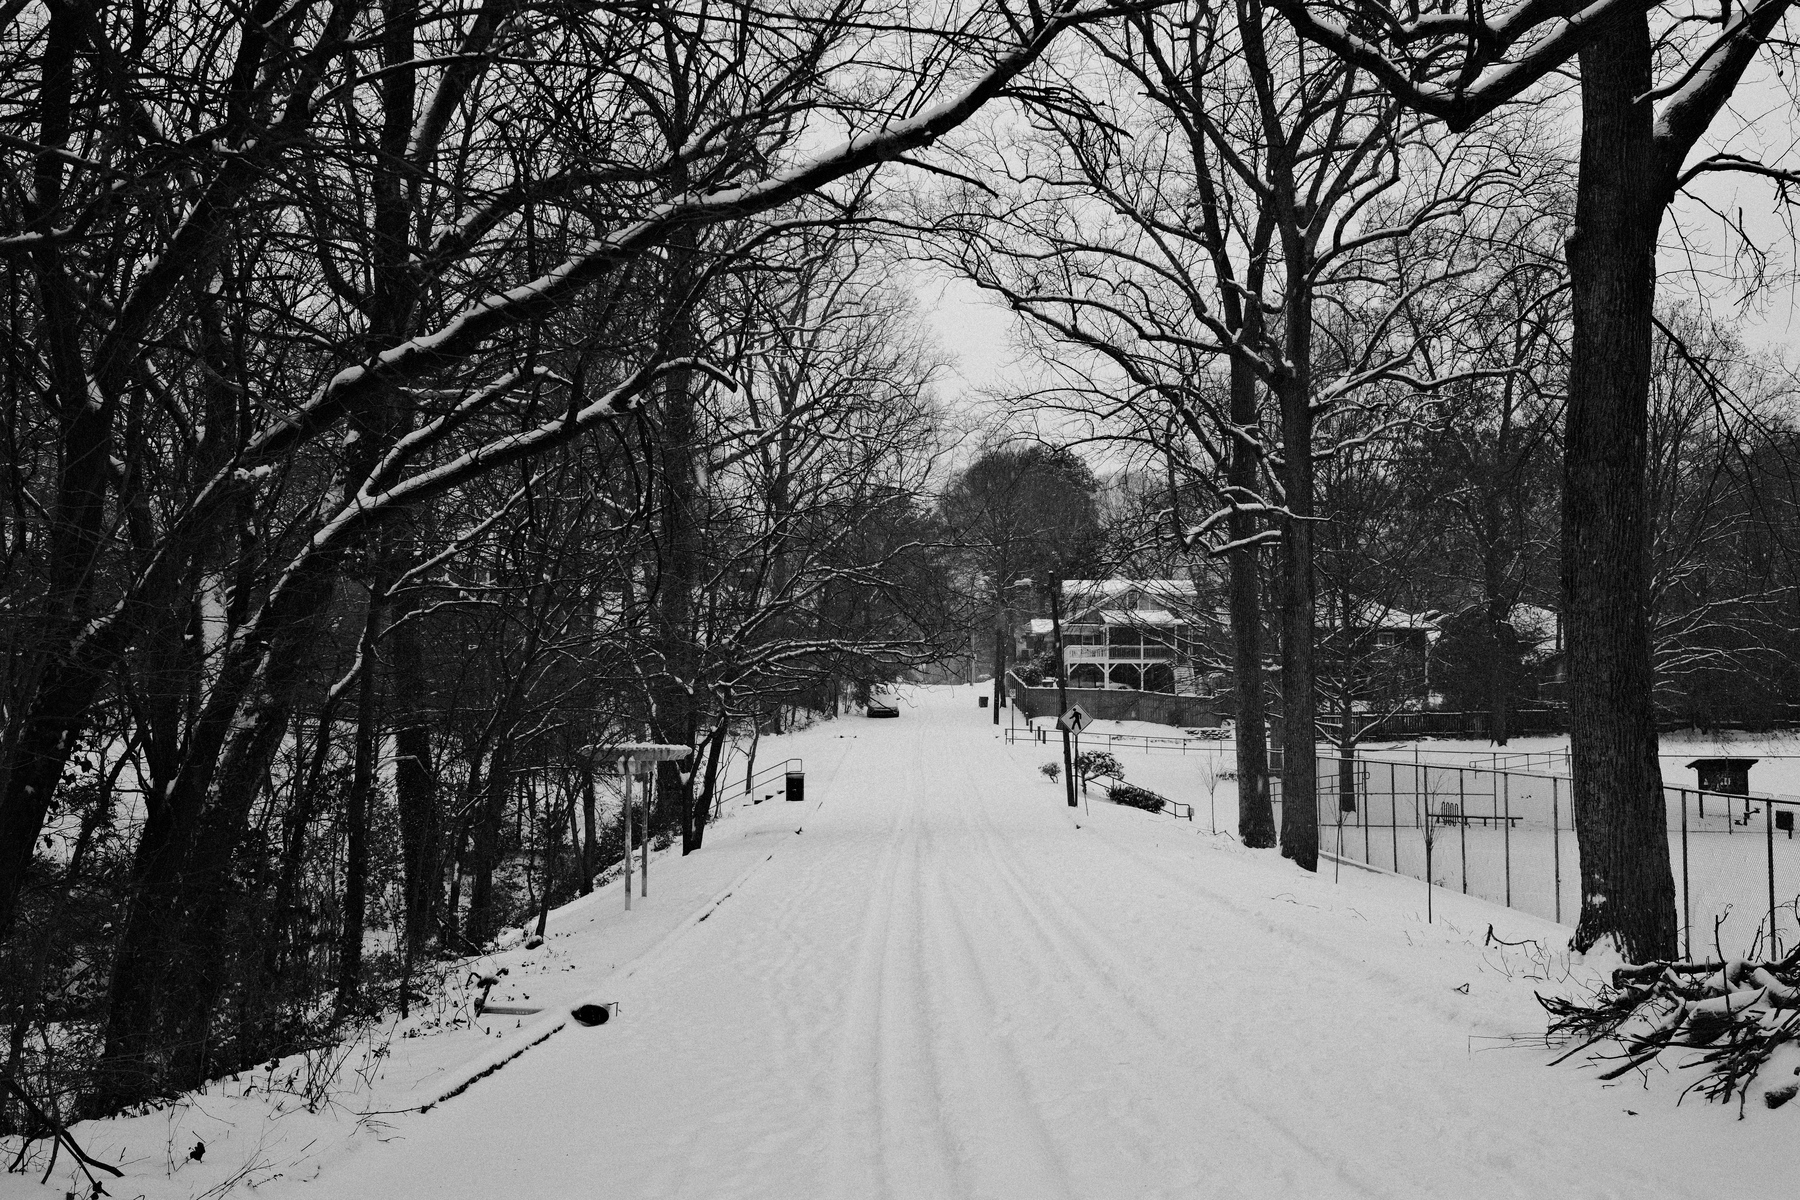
1136, 618
1161, 589
1130, 616
1534, 624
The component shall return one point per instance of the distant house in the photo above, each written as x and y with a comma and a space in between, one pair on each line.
1157, 639
1145, 635
1378, 658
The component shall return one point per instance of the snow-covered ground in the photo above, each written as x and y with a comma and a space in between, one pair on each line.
933, 979
1529, 860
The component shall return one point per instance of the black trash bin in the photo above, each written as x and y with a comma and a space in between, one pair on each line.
981, 702
796, 785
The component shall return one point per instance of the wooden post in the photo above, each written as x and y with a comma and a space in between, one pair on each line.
1556, 840
1394, 817
1687, 911
1462, 823
1506, 832
1769, 838
649, 797
625, 817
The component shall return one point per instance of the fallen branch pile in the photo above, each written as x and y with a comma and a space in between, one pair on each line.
1741, 1020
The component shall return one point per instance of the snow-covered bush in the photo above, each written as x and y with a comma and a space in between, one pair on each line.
1093, 764
1039, 670
1051, 771
1136, 797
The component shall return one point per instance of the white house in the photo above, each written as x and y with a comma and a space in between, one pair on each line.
1132, 634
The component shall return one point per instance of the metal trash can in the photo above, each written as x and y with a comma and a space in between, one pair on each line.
981, 702
796, 785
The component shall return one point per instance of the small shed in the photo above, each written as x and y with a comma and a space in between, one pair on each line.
1731, 776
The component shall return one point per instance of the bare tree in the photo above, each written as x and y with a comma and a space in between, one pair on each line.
1260, 209
1647, 101
267, 304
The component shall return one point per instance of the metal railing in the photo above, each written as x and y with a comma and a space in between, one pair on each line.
768, 773
1179, 809
1508, 836
1549, 762
1174, 744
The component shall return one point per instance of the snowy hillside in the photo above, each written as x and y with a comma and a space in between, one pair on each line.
932, 979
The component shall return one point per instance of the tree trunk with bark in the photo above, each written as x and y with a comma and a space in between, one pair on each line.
1628, 889
416, 801
1299, 686
481, 921
590, 840
52, 693
1256, 816
357, 804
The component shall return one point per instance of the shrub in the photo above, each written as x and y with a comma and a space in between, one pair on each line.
1136, 797
1039, 670
1051, 771
1095, 763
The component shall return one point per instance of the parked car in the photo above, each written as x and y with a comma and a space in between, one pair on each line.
881, 708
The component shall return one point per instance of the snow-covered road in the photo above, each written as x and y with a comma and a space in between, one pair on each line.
935, 980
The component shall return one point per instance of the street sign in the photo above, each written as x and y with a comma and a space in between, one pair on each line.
1073, 721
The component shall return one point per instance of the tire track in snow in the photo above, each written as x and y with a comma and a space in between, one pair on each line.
883, 1030
775, 958
1015, 1152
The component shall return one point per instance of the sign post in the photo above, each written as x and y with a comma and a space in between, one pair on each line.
1053, 586
1073, 720
628, 757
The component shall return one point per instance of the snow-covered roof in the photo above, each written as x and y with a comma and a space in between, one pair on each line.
1137, 616
646, 752
1372, 615
1173, 589
1534, 624
1042, 625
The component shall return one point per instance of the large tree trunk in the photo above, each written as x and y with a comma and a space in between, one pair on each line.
590, 841
51, 693
415, 789
356, 821
677, 708
708, 777
1256, 817
282, 940
482, 919
1299, 690
1500, 682
1628, 892
1299, 687
1346, 766
1498, 608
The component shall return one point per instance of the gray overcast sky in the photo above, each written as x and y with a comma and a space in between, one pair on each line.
978, 332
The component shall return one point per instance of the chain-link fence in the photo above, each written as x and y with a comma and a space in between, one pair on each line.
1508, 836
